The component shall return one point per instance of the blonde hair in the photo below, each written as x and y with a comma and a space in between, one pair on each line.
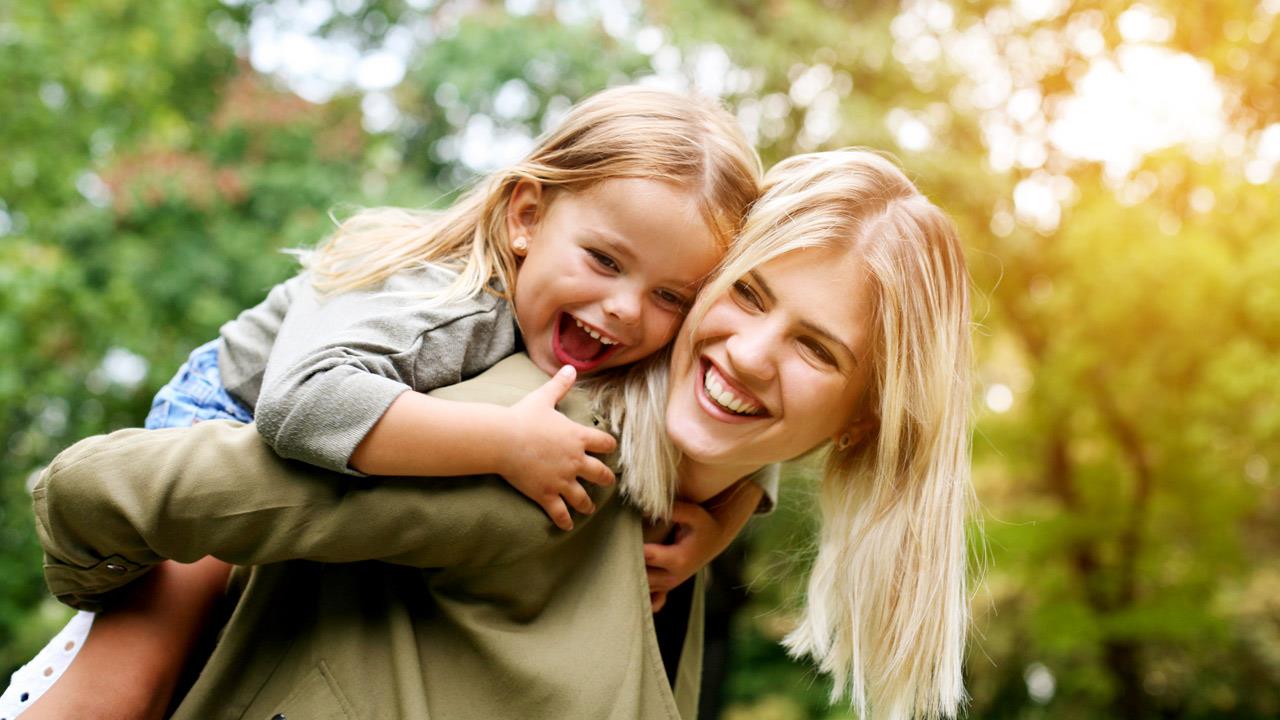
633, 403
886, 609
625, 132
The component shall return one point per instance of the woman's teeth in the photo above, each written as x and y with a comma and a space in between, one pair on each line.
603, 340
724, 397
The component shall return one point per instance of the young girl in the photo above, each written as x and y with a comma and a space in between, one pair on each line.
586, 253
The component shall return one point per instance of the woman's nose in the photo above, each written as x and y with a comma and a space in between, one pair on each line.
751, 352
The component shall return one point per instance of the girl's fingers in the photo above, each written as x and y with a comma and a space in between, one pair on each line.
554, 390
661, 580
578, 499
660, 556
596, 472
559, 514
598, 441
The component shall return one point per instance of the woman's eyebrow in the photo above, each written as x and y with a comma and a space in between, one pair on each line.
830, 337
758, 279
809, 325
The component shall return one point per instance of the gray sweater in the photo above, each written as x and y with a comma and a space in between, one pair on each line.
320, 372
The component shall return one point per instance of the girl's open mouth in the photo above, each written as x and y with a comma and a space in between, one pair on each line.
580, 345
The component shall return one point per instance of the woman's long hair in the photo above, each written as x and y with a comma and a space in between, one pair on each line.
886, 610
625, 132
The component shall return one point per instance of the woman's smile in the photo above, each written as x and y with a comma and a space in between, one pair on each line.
724, 399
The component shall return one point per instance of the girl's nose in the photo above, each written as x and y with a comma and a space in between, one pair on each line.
624, 305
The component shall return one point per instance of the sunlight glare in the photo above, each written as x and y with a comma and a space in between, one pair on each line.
1151, 99
1040, 682
1036, 203
999, 398
1140, 24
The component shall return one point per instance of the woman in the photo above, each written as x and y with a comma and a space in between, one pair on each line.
840, 316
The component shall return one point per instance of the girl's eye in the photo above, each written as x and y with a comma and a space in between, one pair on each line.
672, 301
604, 261
820, 353
747, 296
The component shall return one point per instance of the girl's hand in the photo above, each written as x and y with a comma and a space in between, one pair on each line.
549, 454
695, 541
699, 535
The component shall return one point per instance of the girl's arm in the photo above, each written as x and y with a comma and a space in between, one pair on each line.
110, 507
338, 387
539, 451
338, 362
700, 533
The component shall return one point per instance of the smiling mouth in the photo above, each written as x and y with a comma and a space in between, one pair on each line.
581, 345
723, 396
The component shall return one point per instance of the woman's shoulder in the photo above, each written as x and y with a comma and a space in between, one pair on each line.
508, 381
505, 383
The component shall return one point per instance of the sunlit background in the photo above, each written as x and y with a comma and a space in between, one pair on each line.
1112, 165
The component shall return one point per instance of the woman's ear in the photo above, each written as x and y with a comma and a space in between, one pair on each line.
524, 210
855, 433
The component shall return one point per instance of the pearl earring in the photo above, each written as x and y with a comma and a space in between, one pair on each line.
520, 245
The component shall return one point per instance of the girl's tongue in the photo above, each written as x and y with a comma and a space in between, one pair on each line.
577, 343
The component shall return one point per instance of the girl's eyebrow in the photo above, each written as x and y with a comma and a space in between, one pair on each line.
614, 246
809, 325
627, 255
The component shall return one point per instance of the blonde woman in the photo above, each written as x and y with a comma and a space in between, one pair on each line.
839, 319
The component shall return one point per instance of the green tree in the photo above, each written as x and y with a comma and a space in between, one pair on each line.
1126, 307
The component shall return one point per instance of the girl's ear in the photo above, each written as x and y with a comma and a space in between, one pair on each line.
524, 210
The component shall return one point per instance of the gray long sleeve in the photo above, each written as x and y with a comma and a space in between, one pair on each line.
336, 363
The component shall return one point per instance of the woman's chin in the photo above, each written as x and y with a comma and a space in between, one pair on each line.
697, 444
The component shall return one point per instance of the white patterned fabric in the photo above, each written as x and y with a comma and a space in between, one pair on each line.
31, 681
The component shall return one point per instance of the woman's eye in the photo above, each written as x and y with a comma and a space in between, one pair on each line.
671, 300
820, 353
747, 296
604, 261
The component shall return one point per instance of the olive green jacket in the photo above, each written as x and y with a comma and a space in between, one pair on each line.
390, 598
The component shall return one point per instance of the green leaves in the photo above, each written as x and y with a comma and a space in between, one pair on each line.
1127, 464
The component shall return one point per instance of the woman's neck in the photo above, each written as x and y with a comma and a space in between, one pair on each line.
700, 482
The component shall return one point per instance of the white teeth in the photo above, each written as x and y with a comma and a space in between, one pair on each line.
603, 340
725, 397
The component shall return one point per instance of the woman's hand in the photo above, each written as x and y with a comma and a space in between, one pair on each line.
550, 453
698, 536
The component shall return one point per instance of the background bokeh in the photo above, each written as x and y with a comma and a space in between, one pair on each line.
1112, 166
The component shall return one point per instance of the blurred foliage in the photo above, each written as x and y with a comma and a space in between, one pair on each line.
1128, 432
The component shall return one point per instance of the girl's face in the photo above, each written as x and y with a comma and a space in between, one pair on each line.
777, 365
609, 272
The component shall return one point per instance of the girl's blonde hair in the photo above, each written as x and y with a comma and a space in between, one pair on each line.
886, 611
625, 132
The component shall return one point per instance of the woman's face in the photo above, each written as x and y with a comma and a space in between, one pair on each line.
777, 365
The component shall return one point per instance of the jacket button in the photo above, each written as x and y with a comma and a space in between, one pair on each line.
117, 568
